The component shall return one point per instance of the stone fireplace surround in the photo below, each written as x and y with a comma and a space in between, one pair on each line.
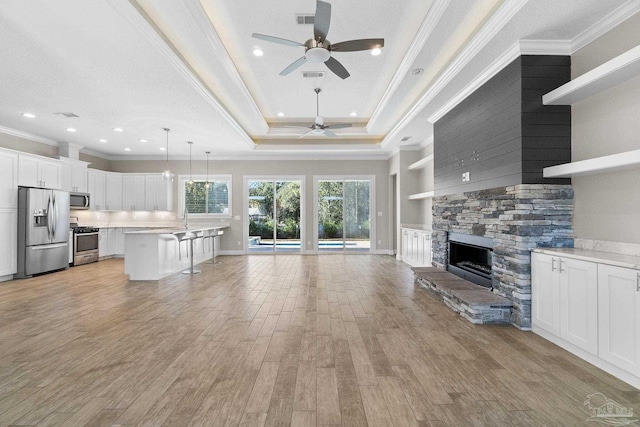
518, 218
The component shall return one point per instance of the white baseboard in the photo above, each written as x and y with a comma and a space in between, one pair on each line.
6, 278
231, 253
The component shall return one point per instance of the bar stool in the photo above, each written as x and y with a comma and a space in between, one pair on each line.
190, 237
212, 234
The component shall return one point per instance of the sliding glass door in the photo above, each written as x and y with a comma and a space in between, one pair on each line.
344, 220
274, 215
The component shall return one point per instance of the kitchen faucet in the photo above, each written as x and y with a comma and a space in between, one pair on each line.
186, 218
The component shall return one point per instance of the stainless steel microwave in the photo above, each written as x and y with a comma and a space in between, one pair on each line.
79, 200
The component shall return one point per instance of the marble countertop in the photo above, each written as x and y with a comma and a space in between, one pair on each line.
619, 260
179, 230
421, 227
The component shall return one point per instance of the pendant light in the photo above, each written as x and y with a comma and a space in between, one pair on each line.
190, 182
207, 184
167, 175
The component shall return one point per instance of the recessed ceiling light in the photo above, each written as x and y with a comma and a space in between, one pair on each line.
29, 115
257, 51
375, 52
280, 114
117, 129
127, 149
143, 140
416, 71
71, 130
102, 140
353, 114
163, 149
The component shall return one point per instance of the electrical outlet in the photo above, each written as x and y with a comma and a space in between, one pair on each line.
379, 242
465, 177
309, 243
379, 213
239, 242
237, 217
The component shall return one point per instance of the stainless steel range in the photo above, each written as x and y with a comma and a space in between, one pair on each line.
85, 245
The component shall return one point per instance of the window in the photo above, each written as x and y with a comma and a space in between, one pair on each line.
199, 200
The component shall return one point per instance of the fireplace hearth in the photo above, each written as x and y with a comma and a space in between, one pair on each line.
471, 257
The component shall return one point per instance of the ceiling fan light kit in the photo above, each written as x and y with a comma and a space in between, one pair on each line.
318, 49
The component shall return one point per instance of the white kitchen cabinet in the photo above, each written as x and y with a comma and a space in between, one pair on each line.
8, 180
113, 191
133, 194
426, 249
119, 247
9, 243
157, 193
96, 187
619, 317
73, 175
34, 171
103, 242
565, 299
112, 241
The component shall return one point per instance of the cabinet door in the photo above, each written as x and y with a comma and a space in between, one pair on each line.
79, 173
28, 172
150, 192
405, 245
419, 248
8, 180
66, 177
112, 241
103, 242
96, 187
113, 194
133, 197
411, 251
49, 173
426, 244
579, 303
9, 242
619, 317
119, 241
164, 190
545, 293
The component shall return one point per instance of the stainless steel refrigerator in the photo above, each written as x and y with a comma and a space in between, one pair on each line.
43, 231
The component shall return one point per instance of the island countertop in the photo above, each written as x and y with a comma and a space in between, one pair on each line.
178, 230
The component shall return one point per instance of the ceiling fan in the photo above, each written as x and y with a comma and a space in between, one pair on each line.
318, 127
318, 49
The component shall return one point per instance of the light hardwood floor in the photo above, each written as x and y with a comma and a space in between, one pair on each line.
274, 340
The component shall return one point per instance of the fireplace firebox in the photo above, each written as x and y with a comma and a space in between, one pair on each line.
471, 257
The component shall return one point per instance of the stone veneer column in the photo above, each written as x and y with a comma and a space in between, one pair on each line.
518, 218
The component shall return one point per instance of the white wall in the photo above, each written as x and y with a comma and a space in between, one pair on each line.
281, 168
607, 206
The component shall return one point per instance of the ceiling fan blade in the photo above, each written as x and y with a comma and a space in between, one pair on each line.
356, 45
339, 126
276, 40
328, 133
297, 127
296, 64
335, 66
306, 133
322, 20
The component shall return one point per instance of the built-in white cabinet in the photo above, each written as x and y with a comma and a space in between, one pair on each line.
9, 243
73, 175
113, 191
416, 247
103, 242
157, 193
96, 187
35, 171
619, 314
591, 308
133, 195
564, 299
8, 180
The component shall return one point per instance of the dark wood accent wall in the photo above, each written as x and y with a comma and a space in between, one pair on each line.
502, 134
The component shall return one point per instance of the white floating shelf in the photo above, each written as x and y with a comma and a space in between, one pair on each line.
627, 160
611, 73
419, 196
421, 163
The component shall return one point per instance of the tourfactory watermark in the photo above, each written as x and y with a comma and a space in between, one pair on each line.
608, 411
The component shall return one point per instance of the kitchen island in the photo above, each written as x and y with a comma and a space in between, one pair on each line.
156, 253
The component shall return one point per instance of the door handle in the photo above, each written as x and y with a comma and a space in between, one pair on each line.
638, 282
553, 264
560, 264
55, 216
49, 217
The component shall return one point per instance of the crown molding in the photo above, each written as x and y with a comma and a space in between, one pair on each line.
29, 136
222, 55
138, 18
301, 154
430, 22
501, 18
612, 20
